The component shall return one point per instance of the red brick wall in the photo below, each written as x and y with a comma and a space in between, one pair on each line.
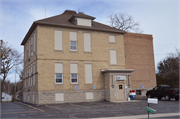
139, 55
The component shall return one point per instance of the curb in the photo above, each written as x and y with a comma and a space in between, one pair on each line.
142, 116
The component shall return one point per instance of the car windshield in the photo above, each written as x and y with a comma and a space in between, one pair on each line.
156, 88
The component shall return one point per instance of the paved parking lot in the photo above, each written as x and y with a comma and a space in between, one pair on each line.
84, 110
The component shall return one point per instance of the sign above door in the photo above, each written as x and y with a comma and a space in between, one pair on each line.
119, 78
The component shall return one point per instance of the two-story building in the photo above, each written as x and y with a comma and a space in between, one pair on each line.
72, 58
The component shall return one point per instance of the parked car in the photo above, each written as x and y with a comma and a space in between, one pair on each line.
161, 91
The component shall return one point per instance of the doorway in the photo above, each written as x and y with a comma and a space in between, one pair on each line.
121, 92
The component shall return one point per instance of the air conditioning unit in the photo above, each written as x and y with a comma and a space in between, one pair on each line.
119, 78
30, 74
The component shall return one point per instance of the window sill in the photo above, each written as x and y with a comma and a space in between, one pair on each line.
74, 83
59, 83
58, 50
88, 83
87, 52
73, 51
112, 42
113, 65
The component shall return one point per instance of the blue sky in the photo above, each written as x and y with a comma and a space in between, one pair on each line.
157, 17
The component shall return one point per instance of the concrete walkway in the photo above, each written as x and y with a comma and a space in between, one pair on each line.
142, 116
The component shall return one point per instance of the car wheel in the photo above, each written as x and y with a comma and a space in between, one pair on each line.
177, 98
167, 97
149, 96
159, 98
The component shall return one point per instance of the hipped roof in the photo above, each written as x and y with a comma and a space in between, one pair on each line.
63, 20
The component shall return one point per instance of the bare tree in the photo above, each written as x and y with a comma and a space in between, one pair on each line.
10, 58
124, 22
168, 70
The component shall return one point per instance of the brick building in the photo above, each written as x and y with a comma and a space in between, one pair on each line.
72, 58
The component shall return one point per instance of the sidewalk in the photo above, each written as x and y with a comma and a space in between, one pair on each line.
143, 116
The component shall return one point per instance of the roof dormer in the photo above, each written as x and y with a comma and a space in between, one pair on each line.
82, 19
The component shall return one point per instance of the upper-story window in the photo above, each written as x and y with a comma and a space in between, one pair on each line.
87, 42
34, 41
84, 22
112, 39
58, 44
113, 57
27, 50
73, 41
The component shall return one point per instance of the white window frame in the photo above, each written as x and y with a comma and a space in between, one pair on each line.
73, 45
77, 78
62, 78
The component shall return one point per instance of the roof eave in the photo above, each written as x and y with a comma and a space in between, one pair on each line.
33, 26
64, 25
81, 27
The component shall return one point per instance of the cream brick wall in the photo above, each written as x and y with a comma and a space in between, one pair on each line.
100, 58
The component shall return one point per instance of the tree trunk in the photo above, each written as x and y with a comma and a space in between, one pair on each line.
1, 89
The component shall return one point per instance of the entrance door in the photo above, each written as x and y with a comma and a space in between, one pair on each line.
121, 92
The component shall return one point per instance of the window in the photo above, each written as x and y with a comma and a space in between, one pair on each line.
29, 47
34, 74
88, 73
84, 22
24, 82
31, 76
25, 52
74, 78
58, 73
34, 41
89, 95
113, 57
73, 41
59, 96
87, 42
74, 73
33, 98
138, 92
59, 78
58, 40
25, 79
112, 39
73, 46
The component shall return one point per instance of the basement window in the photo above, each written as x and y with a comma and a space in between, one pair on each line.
138, 92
